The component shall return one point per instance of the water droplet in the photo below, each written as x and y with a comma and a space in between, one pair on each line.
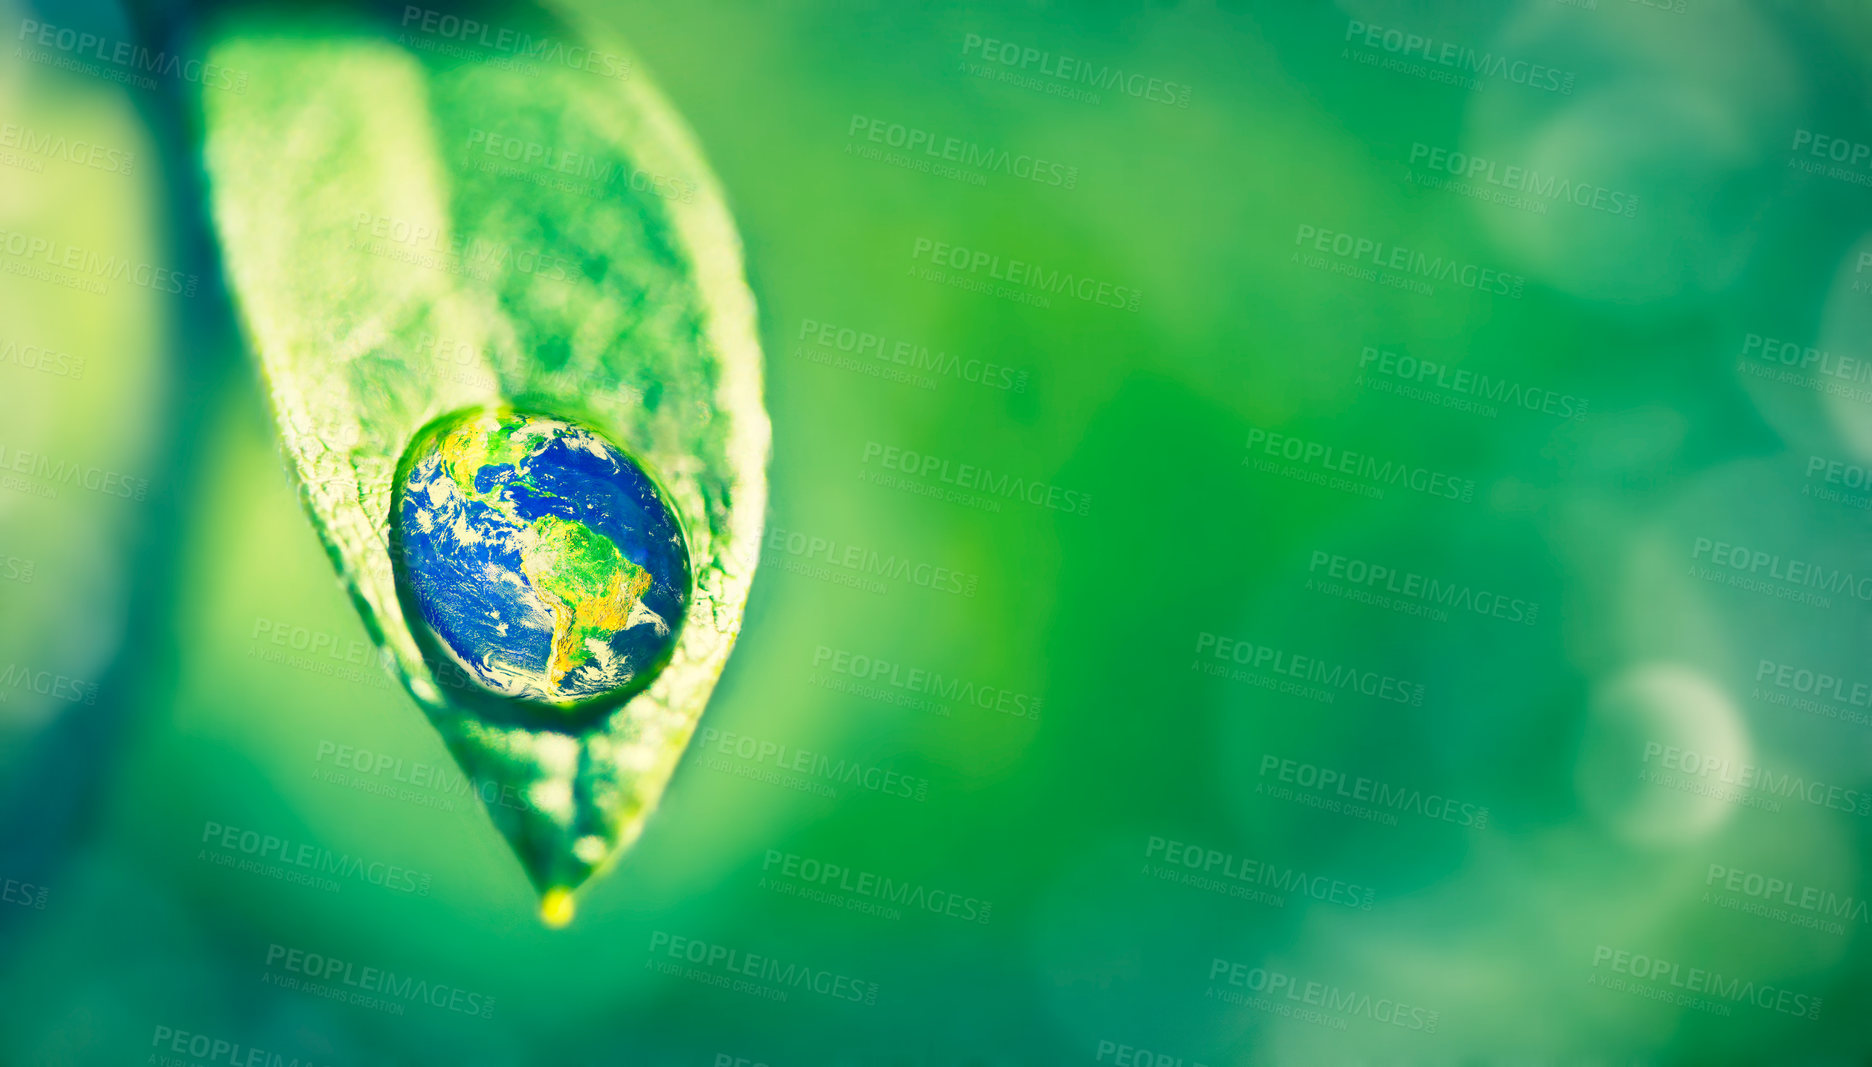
540, 565
557, 907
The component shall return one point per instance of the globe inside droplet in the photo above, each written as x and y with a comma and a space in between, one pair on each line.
538, 556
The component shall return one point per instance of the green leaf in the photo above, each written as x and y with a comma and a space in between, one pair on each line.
414, 222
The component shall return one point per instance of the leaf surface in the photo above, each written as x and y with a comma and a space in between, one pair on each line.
410, 229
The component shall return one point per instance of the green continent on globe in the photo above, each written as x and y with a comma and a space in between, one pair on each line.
541, 556
592, 589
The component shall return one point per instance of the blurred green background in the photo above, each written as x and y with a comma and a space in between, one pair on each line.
1435, 636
